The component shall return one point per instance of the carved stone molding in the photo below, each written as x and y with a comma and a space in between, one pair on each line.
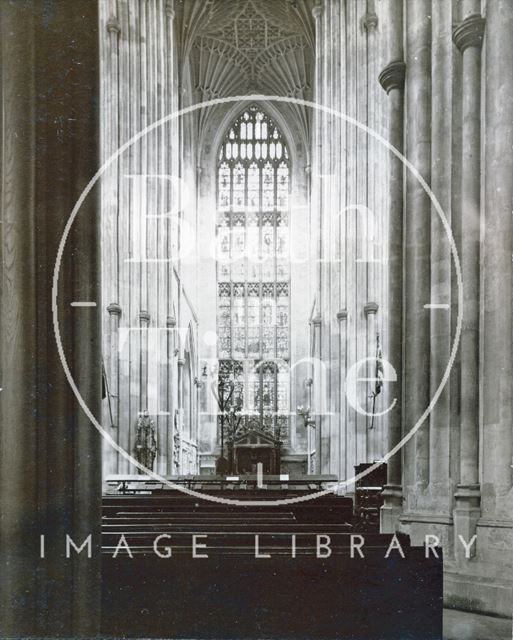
371, 308
144, 316
113, 26
370, 22
171, 321
370, 19
317, 11
392, 76
468, 492
316, 321
114, 309
170, 9
469, 33
246, 42
342, 315
393, 490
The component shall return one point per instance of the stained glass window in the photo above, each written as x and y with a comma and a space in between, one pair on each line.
253, 273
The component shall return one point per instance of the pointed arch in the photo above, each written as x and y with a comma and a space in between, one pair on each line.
253, 270
282, 114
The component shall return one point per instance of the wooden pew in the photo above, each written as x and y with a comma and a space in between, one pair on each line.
287, 592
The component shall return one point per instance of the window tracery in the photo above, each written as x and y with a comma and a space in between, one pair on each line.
253, 273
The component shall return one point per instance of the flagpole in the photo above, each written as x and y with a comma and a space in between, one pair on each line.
373, 407
107, 391
375, 392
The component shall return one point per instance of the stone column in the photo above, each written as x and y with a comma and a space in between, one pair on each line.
50, 470
497, 264
342, 363
468, 37
392, 81
144, 325
316, 184
18, 312
110, 413
417, 245
315, 221
318, 392
180, 399
170, 396
374, 443
370, 310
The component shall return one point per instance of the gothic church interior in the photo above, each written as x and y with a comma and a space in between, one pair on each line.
301, 239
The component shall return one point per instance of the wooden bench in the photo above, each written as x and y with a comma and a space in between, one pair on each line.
233, 594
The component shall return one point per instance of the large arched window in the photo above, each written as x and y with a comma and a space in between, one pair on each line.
253, 269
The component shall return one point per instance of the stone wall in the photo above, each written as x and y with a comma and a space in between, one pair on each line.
349, 217
148, 222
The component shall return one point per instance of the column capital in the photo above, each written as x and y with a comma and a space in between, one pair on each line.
113, 25
317, 320
468, 491
370, 21
317, 10
170, 9
371, 308
393, 491
342, 315
171, 321
392, 76
144, 316
114, 309
469, 32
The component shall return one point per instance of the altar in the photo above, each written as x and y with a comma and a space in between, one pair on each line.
253, 448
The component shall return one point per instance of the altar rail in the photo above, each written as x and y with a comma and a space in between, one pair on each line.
134, 483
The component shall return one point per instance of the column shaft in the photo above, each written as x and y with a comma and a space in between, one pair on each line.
18, 311
497, 263
417, 236
315, 216
392, 81
50, 473
440, 321
468, 38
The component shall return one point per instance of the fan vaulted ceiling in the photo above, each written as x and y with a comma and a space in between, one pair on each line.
241, 47
251, 46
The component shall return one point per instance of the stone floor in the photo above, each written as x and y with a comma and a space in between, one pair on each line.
460, 625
